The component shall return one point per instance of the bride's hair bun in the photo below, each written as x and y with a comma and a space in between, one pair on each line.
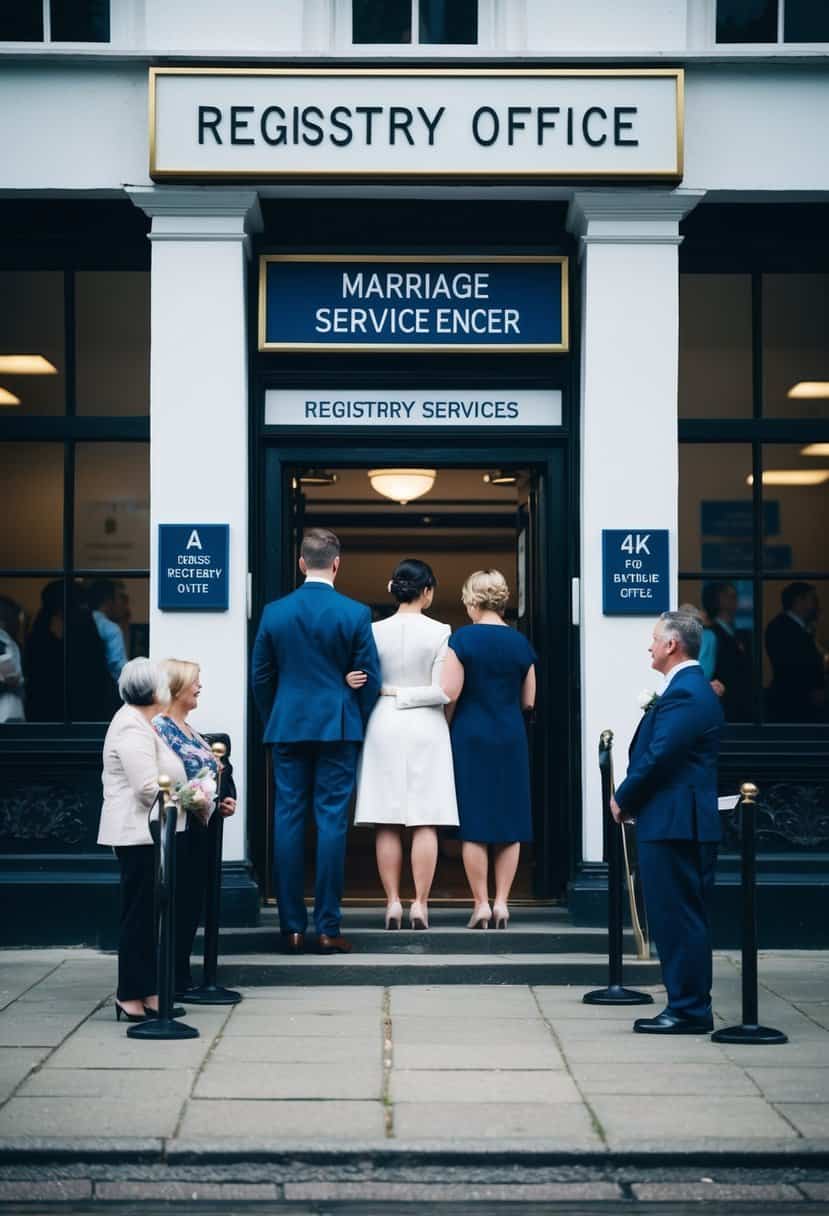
410, 579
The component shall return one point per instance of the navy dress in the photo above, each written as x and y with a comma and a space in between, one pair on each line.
489, 740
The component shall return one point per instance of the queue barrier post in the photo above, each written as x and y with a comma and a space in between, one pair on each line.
209, 992
749, 1030
615, 993
165, 1025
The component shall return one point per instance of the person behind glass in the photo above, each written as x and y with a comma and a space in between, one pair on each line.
109, 604
193, 751
489, 676
732, 669
11, 667
405, 776
797, 692
92, 693
133, 758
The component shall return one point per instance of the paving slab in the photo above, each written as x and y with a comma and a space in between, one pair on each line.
306, 1025
483, 1086
66, 1116
130, 1085
17, 977
815, 1190
47, 1191
263, 1049
442, 1192
171, 1192
677, 1080
289, 1079
715, 1192
565, 1126
671, 1120
15, 1064
504, 1001
326, 999
811, 1054
276, 1121
415, 1029
112, 1049
35, 1029
810, 1118
523, 1056
795, 1084
642, 1049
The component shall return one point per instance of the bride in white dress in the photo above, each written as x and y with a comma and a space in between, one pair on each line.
406, 777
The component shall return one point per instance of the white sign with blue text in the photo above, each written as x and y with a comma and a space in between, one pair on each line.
193, 567
635, 565
396, 407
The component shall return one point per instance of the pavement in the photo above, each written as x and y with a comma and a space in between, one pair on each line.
313, 1088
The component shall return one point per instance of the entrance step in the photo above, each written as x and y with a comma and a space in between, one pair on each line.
541, 946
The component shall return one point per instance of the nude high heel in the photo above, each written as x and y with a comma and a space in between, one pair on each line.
480, 918
394, 915
500, 914
418, 916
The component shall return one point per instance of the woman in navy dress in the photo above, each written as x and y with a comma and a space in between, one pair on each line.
489, 677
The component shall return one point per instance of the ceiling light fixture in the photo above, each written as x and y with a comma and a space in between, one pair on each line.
402, 484
317, 477
815, 449
7, 398
497, 477
809, 390
792, 477
27, 365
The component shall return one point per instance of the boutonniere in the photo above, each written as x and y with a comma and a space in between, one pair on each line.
647, 699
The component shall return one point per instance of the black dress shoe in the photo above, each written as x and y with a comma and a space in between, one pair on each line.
296, 943
670, 1023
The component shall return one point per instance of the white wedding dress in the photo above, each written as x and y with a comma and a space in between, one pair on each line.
406, 774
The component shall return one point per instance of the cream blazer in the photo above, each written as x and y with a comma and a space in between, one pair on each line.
133, 757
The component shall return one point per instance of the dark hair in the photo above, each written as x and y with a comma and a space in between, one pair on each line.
319, 548
410, 579
711, 594
99, 591
10, 612
791, 594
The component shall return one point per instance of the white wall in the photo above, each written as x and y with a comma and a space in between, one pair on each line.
214, 25
559, 26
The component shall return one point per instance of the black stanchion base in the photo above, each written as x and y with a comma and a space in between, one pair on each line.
162, 1028
758, 1035
210, 994
617, 995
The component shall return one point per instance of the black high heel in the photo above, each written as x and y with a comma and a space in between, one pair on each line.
131, 1017
178, 1011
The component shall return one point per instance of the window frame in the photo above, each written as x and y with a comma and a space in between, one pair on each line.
70, 429
344, 41
780, 40
116, 23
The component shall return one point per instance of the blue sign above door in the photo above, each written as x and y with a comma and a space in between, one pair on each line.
193, 567
412, 303
636, 572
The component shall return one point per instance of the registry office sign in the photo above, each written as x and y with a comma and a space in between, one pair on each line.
635, 567
325, 302
193, 567
326, 123
382, 408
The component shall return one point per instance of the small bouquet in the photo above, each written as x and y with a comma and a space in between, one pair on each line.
198, 796
647, 699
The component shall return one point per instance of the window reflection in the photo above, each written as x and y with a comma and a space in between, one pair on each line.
715, 346
450, 22
31, 323
796, 644
725, 608
796, 495
747, 20
112, 492
715, 507
795, 350
389, 21
31, 536
112, 312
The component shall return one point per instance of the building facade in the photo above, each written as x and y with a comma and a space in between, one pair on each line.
568, 261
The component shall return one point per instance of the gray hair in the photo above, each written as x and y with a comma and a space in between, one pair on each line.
685, 629
141, 683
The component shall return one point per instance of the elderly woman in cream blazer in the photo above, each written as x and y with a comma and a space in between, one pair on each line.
133, 757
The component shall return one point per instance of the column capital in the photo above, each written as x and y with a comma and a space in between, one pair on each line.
630, 217
199, 213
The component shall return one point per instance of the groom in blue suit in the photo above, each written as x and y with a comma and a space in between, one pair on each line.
306, 643
671, 791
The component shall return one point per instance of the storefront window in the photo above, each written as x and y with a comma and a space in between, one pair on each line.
79, 20
112, 508
795, 346
715, 346
716, 517
31, 537
389, 22
805, 21
449, 22
796, 650
747, 20
429, 22
113, 342
32, 359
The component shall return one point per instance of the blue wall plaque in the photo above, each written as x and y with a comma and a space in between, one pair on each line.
636, 571
309, 302
193, 567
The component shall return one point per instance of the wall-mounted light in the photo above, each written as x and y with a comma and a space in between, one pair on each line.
27, 365
402, 484
809, 390
815, 449
497, 477
792, 477
7, 398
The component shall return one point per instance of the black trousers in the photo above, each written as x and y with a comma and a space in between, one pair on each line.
191, 886
137, 938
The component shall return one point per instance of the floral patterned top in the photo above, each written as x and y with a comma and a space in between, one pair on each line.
195, 753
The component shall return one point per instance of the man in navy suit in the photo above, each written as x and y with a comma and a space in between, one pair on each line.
306, 643
671, 791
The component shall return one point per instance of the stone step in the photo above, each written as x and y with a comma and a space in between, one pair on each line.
367, 968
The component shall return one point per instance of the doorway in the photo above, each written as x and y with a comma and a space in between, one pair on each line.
482, 510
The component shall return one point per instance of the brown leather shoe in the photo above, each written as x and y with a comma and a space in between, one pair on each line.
296, 943
334, 945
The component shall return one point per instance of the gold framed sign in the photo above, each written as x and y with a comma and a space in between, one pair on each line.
416, 303
462, 123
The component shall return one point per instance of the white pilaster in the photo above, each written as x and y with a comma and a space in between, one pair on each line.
199, 434
629, 447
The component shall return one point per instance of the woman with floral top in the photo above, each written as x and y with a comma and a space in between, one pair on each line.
193, 750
